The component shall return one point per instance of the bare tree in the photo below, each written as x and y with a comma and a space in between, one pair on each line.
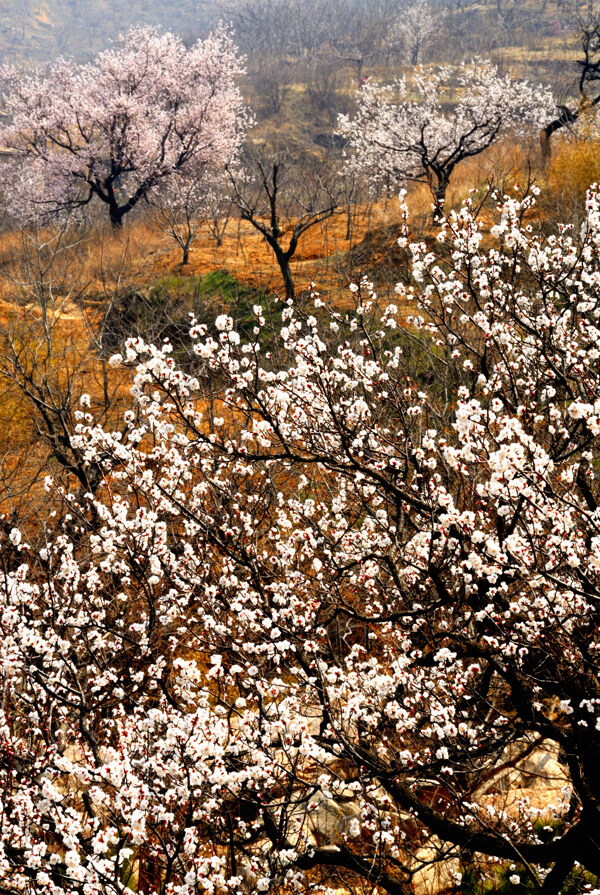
323, 82
180, 208
273, 80
261, 26
283, 198
359, 32
218, 210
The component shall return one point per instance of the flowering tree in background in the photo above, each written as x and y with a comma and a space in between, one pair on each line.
587, 25
117, 129
302, 641
418, 138
415, 31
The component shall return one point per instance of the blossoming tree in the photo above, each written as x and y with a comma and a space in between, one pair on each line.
415, 30
117, 129
416, 137
305, 638
587, 24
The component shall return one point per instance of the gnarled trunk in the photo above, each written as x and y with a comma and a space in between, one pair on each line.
439, 189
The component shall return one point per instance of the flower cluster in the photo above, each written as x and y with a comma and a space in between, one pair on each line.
312, 623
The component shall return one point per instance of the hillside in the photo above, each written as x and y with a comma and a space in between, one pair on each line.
299, 478
534, 35
36, 31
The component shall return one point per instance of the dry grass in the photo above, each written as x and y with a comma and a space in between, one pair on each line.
575, 166
99, 267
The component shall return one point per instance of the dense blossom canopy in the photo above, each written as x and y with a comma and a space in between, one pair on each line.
406, 131
118, 128
304, 633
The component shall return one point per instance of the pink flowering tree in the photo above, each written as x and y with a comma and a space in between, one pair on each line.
406, 132
310, 637
117, 129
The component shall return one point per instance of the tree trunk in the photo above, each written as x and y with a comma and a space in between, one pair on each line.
545, 147
186, 255
107, 194
439, 190
566, 116
287, 279
283, 260
116, 217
